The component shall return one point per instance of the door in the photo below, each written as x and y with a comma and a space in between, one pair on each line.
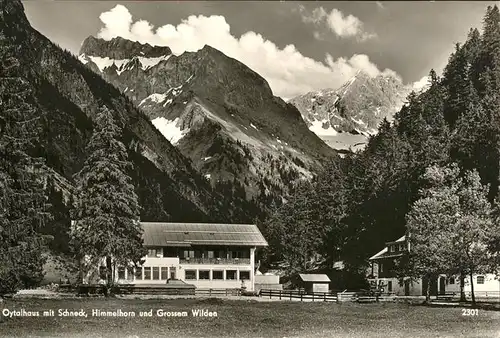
442, 285
172, 273
407, 287
433, 288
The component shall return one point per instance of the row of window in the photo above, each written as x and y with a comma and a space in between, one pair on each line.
164, 273
479, 280
216, 275
147, 273
190, 253
397, 247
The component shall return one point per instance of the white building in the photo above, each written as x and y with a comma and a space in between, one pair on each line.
382, 276
205, 255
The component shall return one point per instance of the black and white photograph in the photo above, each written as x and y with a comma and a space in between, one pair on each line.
249, 169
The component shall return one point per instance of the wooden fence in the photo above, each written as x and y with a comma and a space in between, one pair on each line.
217, 292
334, 296
296, 294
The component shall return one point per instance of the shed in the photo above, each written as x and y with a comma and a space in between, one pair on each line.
315, 282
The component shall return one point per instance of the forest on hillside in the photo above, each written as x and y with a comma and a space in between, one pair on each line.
362, 201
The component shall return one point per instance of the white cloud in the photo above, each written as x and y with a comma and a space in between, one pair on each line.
288, 72
422, 83
344, 26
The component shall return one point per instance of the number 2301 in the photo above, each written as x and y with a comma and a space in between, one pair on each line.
470, 312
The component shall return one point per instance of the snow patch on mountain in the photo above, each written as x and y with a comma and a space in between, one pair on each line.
157, 98
170, 129
103, 63
317, 128
83, 59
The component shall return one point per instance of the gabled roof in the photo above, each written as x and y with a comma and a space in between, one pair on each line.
306, 277
187, 234
384, 253
399, 240
379, 254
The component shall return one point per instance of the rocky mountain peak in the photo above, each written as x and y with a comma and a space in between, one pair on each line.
219, 113
119, 48
356, 108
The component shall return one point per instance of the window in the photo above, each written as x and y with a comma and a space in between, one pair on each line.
164, 273
188, 254
102, 272
452, 280
147, 273
190, 274
155, 252
217, 274
138, 273
391, 248
480, 279
244, 275
210, 254
169, 252
121, 272
380, 267
156, 273
389, 286
203, 274
130, 273
230, 274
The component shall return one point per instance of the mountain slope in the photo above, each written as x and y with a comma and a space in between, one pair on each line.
69, 94
216, 111
348, 115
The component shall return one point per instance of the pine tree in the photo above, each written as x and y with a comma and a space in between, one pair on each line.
489, 54
107, 209
295, 233
23, 200
472, 49
456, 80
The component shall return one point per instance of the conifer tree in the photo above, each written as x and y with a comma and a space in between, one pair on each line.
23, 199
107, 209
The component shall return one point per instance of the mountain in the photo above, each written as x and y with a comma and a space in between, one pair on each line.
68, 95
216, 111
346, 116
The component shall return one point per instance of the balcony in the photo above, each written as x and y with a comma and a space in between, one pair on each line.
228, 261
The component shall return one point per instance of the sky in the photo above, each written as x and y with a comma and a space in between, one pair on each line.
296, 46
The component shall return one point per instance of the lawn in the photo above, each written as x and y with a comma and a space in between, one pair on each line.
247, 319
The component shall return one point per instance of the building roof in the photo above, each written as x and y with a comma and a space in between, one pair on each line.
399, 240
306, 277
187, 234
384, 253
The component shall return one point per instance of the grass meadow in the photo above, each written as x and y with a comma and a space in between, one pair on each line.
241, 318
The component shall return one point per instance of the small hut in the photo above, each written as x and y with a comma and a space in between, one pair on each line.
315, 282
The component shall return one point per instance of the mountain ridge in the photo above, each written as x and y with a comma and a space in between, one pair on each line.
190, 94
355, 108
70, 94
